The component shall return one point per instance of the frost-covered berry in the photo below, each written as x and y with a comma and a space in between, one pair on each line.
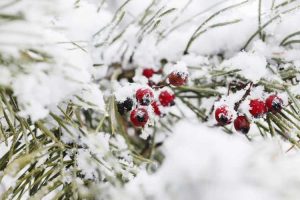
242, 124
148, 72
125, 106
257, 108
139, 117
156, 109
144, 96
223, 115
274, 103
178, 78
166, 98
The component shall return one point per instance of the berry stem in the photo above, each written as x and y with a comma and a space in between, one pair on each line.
247, 93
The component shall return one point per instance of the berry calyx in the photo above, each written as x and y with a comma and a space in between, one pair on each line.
148, 72
242, 124
274, 103
139, 117
166, 98
156, 109
125, 106
257, 108
223, 115
177, 78
144, 96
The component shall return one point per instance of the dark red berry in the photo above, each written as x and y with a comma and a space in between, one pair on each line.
156, 109
144, 96
121, 108
177, 78
148, 72
274, 103
166, 98
125, 106
257, 108
223, 115
139, 117
242, 124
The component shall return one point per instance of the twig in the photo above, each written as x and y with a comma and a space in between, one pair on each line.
247, 93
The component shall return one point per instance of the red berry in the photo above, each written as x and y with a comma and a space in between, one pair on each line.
156, 109
242, 124
257, 108
144, 96
223, 115
139, 117
166, 98
177, 78
274, 103
148, 72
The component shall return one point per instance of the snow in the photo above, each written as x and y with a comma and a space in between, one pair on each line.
127, 91
178, 67
203, 163
93, 98
249, 64
51, 27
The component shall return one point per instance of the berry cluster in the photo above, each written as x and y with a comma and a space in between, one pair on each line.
152, 98
257, 108
144, 98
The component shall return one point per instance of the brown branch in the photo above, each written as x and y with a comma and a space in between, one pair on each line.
247, 93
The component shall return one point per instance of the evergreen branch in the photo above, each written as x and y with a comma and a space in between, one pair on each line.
193, 37
4, 16
277, 16
288, 37
259, 19
117, 18
201, 91
291, 42
216, 25
164, 35
287, 2
9, 4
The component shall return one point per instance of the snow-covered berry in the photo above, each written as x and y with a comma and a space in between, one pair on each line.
257, 108
242, 124
148, 72
178, 78
144, 96
125, 106
274, 103
166, 98
223, 115
139, 117
156, 108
